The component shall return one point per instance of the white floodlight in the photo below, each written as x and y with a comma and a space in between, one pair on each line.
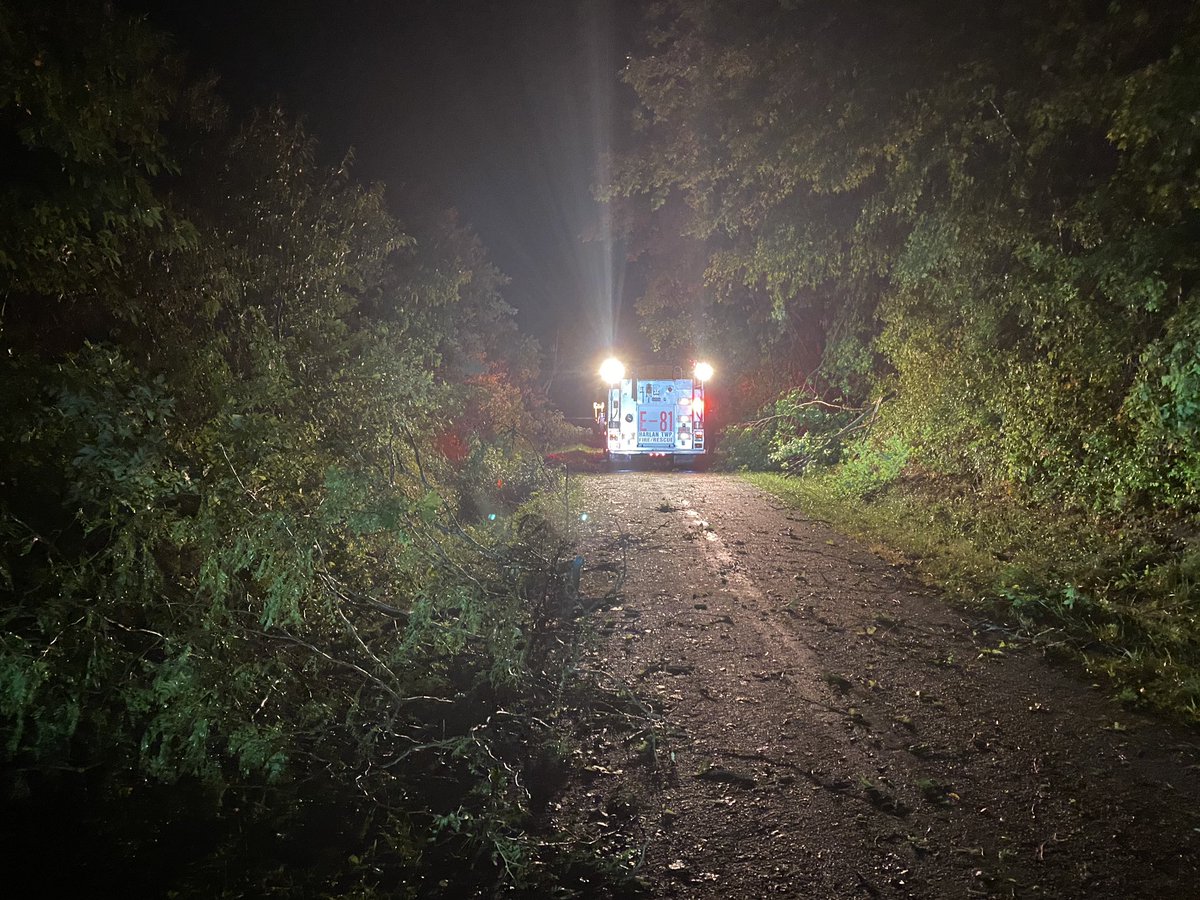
703, 371
612, 370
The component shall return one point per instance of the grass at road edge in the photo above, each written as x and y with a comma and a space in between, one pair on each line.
1123, 598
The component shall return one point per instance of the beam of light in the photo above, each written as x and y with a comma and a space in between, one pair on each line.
703, 371
536, 197
573, 90
599, 24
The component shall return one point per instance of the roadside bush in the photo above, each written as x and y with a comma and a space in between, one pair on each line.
870, 465
249, 641
744, 448
1165, 405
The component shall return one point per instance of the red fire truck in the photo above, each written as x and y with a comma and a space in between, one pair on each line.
654, 416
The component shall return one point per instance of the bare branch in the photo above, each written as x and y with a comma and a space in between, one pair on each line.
805, 405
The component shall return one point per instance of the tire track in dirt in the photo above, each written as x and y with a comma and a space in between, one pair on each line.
788, 655
832, 729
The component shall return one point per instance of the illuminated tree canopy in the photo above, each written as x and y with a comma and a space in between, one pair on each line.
986, 213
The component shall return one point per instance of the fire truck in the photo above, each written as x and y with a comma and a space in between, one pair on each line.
654, 416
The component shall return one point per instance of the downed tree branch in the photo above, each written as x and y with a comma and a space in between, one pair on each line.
347, 664
758, 423
863, 422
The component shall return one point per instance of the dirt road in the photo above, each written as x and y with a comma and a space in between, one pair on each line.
826, 727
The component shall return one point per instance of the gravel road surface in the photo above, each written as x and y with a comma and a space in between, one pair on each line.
819, 724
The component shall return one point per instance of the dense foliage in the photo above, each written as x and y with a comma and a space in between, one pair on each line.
986, 213
259, 632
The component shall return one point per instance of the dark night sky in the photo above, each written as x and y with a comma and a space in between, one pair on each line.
499, 108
